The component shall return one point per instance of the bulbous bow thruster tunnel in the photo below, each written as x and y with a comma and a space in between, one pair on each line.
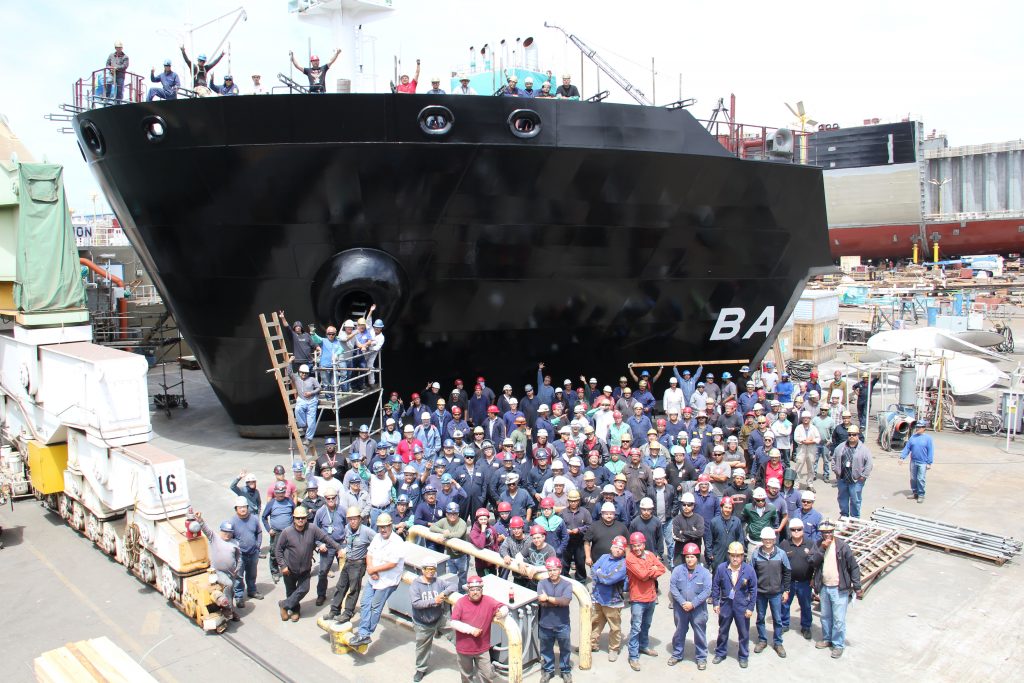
350, 281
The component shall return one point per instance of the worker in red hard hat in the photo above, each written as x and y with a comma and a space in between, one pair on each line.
471, 620
690, 587
316, 73
643, 569
537, 553
554, 596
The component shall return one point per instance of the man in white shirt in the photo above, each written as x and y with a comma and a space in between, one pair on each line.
384, 566
673, 398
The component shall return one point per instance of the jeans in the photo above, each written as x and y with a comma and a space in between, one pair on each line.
801, 592
823, 458
670, 543
850, 497
698, 619
245, 582
641, 616
833, 615
305, 417
764, 600
348, 588
372, 607
162, 93
326, 563
275, 571
460, 566
295, 587
548, 638
918, 471
116, 88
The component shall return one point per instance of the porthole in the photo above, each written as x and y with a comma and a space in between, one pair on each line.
155, 128
524, 123
92, 138
436, 120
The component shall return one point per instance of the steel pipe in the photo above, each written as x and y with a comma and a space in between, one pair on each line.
579, 591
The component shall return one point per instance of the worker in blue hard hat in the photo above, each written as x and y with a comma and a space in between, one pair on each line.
169, 83
201, 69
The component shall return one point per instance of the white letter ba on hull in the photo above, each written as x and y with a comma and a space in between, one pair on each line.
728, 324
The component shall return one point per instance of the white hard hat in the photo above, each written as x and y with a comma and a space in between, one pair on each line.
688, 498
303, 368
767, 533
646, 504
760, 493
807, 495
658, 472
241, 502
608, 507
773, 483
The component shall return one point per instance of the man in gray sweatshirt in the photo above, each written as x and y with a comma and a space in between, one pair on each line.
429, 597
226, 559
295, 555
249, 537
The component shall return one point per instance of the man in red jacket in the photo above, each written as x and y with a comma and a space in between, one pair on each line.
643, 569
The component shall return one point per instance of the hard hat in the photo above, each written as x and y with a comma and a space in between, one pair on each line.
201, 57
312, 484
474, 582
409, 469
228, 78
512, 478
773, 483
456, 410
789, 474
854, 429
402, 498
553, 564
303, 368
330, 491
516, 523
691, 549
621, 477
118, 43
847, 413
745, 368
528, 81
167, 62
827, 525
280, 487
451, 508
608, 489
469, 452
619, 541
687, 498
482, 512
429, 489
363, 429
447, 478
574, 495
547, 503
807, 495
353, 512
608, 507
558, 465
813, 393
384, 519
739, 472
726, 500
378, 466
768, 533
492, 409
726, 375
796, 523
646, 504
504, 506
458, 433
250, 477
228, 527
537, 529
719, 448
736, 548
637, 538
759, 493
704, 479
774, 453
300, 511
241, 502
543, 408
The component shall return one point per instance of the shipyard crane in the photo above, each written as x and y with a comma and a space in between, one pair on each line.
604, 66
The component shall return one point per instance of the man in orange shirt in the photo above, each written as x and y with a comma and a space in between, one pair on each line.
643, 569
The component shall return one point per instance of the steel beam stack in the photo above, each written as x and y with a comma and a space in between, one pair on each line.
949, 537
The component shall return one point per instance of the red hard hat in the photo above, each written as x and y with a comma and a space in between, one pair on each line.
691, 549
547, 503
637, 538
661, 422
569, 443
617, 414
553, 564
492, 409
814, 373
614, 449
515, 523
726, 499
634, 451
505, 507
537, 529
456, 410
480, 380
619, 541
415, 395
458, 381
687, 409
482, 512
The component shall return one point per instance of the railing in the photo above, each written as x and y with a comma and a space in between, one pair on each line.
99, 90
748, 141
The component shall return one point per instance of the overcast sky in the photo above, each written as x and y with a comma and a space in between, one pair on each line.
956, 66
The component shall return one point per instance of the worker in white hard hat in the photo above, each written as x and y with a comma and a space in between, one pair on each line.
117, 67
464, 87
385, 563
567, 90
248, 535
307, 397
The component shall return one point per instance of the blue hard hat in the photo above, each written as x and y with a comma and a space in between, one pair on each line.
228, 78
402, 498
686, 372
446, 478
417, 448
227, 526
364, 428
429, 488
354, 455
201, 57
312, 484
395, 458
726, 375
167, 62
745, 368
378, 466
469, 450
645, 373
452, 507
378, 324
329, 441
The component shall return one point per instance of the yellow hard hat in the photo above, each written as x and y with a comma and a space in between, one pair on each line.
353, 512
300, 511
736, 548
384, 519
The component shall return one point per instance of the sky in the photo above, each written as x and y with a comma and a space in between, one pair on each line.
955, 66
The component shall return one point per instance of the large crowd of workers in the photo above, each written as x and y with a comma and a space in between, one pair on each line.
111, 85
712, 483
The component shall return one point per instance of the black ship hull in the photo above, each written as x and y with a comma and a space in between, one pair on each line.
616, 233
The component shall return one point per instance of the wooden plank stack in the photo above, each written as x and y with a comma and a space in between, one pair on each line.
97, 660
876, 547
816, 326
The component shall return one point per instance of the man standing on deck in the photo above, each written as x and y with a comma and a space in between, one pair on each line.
201, 69
316, 74
407, 86
307, 398
567, 90
117, 67
851, 462
168, 81
428, 595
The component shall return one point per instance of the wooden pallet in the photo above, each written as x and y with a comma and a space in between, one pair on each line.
274, 336
876, 547
97, 660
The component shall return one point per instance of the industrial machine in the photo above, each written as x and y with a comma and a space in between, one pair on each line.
74, 416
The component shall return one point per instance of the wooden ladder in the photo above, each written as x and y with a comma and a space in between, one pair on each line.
274, 336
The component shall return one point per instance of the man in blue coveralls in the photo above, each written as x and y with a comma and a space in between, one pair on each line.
733, 595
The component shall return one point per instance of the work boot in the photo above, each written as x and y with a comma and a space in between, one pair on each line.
320, 601
837, 652
920, 499
650, 652
806, 633
257, 596
780, 651
284, 611
566, 677
702, 664
634, 664
295, 616
613, 655
761, 645
743, 664
718, 659
239, 604
822, 645
545, 677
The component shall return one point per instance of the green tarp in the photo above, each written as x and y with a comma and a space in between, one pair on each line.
48, 278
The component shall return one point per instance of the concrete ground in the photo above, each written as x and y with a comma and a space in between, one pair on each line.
938, 616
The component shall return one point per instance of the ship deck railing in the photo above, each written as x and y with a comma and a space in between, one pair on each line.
97, 90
